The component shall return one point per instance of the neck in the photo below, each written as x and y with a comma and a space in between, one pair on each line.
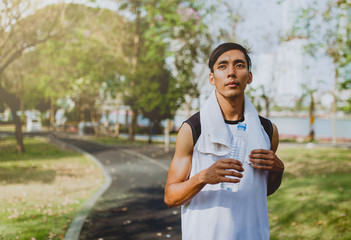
232, 108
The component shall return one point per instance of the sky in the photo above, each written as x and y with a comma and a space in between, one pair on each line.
260, 26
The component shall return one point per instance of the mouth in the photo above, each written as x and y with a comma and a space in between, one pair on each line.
232, 84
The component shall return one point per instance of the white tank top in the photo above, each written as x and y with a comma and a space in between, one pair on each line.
218, 214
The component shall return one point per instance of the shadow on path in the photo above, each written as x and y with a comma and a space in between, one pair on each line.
142, 216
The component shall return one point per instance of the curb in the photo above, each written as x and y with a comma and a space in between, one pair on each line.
75, 227
140, 155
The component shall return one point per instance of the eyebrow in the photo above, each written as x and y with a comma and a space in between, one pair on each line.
235, 61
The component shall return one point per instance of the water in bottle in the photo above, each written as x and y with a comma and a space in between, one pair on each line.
238, 152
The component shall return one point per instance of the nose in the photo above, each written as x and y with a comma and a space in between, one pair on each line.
231, 71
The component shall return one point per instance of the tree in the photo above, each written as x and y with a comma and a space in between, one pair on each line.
19, 80
232, 9
78, 64
72, 62
161, 30
267, 96
329, 29
20, 31
160, 96
309, 94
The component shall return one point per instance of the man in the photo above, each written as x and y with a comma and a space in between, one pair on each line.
199, 165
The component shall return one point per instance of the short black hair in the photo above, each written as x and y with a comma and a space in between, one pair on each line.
224, 47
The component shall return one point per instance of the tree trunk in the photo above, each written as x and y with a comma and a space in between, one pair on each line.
13, 102
267, 106
118, 100
18, 132
94, 117
81, 113
52, 115
188, 108
133, 125
150, 132
136, 52
311, 113
334, 139
166, 133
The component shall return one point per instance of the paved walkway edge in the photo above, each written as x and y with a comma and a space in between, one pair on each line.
151, 160
140, 155
75, 227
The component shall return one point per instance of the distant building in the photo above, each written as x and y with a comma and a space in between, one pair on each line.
288, 67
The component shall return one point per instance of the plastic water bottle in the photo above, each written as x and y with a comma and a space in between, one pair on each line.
238, 152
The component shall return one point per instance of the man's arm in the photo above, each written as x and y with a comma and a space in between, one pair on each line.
179, 187
275, 177
268, 160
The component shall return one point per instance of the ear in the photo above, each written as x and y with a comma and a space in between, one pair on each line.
249, 78
211, 79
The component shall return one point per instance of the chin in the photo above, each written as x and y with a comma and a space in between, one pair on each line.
231, 94
234, 94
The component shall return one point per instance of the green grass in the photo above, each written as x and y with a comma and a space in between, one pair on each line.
313, 201
11, 127
42, 189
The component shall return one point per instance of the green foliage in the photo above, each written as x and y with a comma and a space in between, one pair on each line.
75, 64
328, 28
148, 56
162, 30
73, 115
313, 201
82, 62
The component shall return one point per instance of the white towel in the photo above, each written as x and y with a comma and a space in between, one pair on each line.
215, 138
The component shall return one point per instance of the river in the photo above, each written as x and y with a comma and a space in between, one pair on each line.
322, 127
299, 127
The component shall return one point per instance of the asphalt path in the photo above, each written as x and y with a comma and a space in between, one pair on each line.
132, 207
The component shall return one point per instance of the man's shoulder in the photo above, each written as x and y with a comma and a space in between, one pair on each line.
195, 124
267, 125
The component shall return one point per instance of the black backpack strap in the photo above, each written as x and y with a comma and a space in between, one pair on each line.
268, 127
194, 122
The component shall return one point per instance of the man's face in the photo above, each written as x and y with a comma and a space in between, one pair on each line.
230, 74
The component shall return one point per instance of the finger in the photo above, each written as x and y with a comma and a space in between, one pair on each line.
231, 180
234, 167
230, 164
222, 170
262, 162
231, 160
261, 156
233, 173
262, 167
265, 151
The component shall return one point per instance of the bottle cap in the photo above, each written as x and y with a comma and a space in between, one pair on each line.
242, 126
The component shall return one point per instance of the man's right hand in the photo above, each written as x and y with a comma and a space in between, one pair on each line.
179, 188
220, 169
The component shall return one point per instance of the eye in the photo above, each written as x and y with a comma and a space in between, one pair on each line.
240, 65
221, 67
